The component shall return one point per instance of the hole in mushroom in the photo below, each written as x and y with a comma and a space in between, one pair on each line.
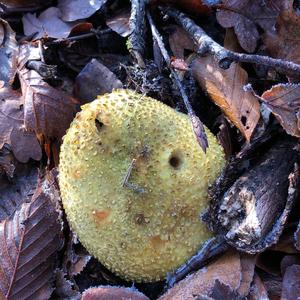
99, 125
175, 160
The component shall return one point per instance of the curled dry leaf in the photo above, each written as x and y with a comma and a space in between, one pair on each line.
23, 143
226, 269
73, 10
47, 24
285, 42
246, 15
8, 52
112, 293
120, 23
47, 111
284, 102
95, 79
29, 242
291, 283
225, 87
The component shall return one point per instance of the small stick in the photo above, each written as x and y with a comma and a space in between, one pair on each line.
197, 125
226, 57
126, 183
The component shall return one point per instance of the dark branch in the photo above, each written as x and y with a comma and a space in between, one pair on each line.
136, 40
197, 125
223, 56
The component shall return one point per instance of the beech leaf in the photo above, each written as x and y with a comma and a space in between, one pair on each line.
225, 87
47, 110
23, 143
29, 242
284, 102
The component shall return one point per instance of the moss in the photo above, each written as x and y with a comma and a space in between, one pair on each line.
149, 226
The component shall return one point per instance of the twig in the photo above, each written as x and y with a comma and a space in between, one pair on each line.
93, 32
136, 41
197, 125
223, 56
126, 183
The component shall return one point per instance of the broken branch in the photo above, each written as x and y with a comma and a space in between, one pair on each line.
226, 57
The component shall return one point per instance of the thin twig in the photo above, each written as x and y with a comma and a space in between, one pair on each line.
136, 40
197, 125
223, 56
126, 183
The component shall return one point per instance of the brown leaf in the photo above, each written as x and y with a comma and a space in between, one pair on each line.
73, 10
47, 111
65, 289
120, 23
285, 42
258, 290
284, 102
47, 24
247, 272
225, 87
291, 283
95, 79
10, 6
14, 193
8, 52
226, 269
112, 293
29, 243
246, 15
23, 143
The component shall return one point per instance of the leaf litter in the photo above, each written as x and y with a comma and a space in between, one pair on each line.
97, 46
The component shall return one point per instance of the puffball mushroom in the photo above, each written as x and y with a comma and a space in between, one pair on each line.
133, 182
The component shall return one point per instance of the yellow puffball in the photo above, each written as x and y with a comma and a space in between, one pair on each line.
133, 182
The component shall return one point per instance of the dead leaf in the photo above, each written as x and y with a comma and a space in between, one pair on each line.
226, 269
179, 64
284, 102
8, 52
112, 293
285, 42
11, 6
95, 79
120, 23
64, 288
13, 193
222, 291
225, 87
246, 15
29, 242
291, 283
47, 111
258, 290
47, 24
288, 261
179, 41
73, 10
247, 272
23, 143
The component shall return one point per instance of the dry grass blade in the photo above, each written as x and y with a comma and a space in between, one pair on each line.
28, 245
284, 102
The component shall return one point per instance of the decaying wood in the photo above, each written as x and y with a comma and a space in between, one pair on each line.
226, 57
253, 211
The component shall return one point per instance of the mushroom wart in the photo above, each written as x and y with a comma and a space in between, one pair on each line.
133, 182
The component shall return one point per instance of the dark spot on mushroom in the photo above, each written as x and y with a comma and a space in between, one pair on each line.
175, 160
99, 125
